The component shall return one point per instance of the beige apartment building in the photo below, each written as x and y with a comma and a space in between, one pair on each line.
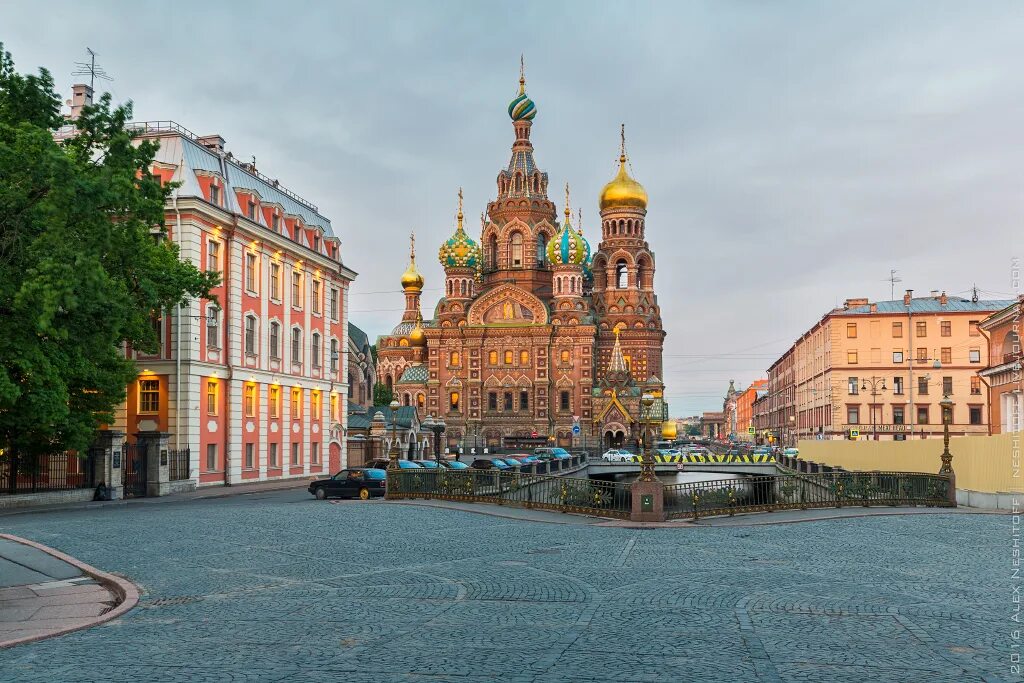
880, 369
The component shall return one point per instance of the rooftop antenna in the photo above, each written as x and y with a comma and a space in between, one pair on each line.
974, 293
892, 279
91, 69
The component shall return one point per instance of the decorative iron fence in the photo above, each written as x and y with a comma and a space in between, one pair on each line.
52, 472
565, 494
178, 465
803, 491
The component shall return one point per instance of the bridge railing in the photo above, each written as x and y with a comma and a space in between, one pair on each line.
803, 491
565, 494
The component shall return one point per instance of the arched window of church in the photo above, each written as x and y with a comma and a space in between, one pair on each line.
388, 382
421, 400
508, 358
405, 400
493, 357
351, 386
453, 402
463, 288
559, 285
524, 358
621, 275
492, 251
454, 358
517, 249
542, 249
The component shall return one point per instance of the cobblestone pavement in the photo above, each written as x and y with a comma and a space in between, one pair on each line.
283, 588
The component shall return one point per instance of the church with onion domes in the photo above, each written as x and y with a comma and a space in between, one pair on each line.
535, 334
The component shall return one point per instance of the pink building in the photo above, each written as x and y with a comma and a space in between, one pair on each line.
253, 383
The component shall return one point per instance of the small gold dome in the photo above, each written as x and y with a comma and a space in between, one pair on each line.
623, 191
411, 278
417, 336
668, 430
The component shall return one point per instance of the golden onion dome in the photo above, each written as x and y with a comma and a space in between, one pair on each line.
411, 278
668, 430
623, 191
417, 337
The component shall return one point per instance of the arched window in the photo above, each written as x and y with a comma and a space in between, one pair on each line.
621, 275
389, 382
421, 400
250, 335
405, 400
492, 251
453, 402
643, 273
275, 340
315, 351
1011, 345
454, 358
296, 345
542, 249
517, 249
462, 288
524, 358
492, 357
559, 285
508, 358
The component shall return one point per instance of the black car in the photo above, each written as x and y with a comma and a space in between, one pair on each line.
357, 482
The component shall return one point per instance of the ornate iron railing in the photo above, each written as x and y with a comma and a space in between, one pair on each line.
49, 472
565, 494
803, 491
178, 465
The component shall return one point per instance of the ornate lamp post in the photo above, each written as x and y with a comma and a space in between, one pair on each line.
947, 418
647, 462
437, 426
395, 405
877, 385
792, 436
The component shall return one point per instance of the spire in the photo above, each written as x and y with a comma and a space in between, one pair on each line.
411, 278
458, 216
618, 362
459, 251
568, 210
623, 191
522, 74
579, 220
622, 145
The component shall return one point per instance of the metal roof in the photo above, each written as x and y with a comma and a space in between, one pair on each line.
930, 305
414, 374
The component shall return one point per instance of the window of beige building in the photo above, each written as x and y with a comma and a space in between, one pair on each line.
946, 328
972, 328
974, 355
897, 415
852, 387
946, 355
947, 386
149, 396
853, 415
851, 357
975, 385
922, 354
851, 330
922, 386
921, 328
897, 357
922, 415
897, 330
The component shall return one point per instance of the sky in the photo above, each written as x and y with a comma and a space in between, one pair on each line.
794, 153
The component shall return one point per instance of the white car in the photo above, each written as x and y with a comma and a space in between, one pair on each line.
616, 455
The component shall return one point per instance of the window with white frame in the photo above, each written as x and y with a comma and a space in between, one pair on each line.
250, 335
275, 340
334, 355
275, 281
149, 396
315, 350
335, 298
316, 296
296, 345
213, 256
213, 327
252, 272
296, 289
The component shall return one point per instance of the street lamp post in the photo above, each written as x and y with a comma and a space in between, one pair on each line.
437, 426
647, 458
792, 436
877, 385
393, 464
947, 417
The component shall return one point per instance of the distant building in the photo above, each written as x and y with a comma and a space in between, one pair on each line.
712, 425
745, 409
362, 369
1004, 376
882, 368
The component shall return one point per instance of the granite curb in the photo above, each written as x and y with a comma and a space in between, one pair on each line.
124, 590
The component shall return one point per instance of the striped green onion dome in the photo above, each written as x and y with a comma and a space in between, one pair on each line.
460, 251
568, 247
522, 108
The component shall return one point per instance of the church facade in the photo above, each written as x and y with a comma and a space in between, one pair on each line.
537, 339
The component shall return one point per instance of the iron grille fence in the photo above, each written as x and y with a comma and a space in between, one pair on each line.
178, 465
51, 472
803, 491
565, 494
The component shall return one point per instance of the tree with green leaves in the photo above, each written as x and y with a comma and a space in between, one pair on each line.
83, 268
382, 396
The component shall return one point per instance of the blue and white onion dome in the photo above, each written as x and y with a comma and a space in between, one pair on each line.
522, 107
460, 250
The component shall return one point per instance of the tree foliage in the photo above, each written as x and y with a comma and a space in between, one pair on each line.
382, 396
83, 268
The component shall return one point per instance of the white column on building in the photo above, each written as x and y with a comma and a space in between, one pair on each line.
234, 322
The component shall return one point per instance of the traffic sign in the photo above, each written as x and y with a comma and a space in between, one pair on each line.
750, 430
854, 433
534, 434
576, 429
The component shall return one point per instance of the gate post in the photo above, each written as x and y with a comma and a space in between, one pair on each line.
157, 471
648, 501
109, 463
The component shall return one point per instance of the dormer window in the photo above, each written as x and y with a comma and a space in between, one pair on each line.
214, 194
275, 222
316, 243
250, 210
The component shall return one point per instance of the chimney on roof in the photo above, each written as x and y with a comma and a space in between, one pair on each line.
935, 294
81, 96
853, 303
907, 297
943, 299
874, 308
214, 143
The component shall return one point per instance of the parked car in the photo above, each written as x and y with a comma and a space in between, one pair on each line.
454, 465
356, 482
552, 453
617, 455
427, 464
794, 452
511, 463
761, 450
382, 464
486, 464
699, 451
